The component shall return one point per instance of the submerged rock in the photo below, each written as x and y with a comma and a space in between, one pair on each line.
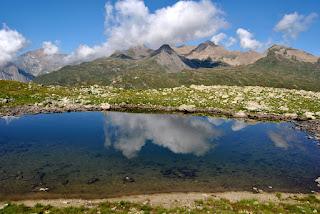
181, 173
92, 180
128, 179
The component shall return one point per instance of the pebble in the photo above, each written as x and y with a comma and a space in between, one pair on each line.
44, 189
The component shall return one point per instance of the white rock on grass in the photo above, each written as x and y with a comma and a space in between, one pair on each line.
309, 115
240, 114
291, 115
187, 107
105, 106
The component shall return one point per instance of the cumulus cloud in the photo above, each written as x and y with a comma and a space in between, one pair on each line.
11, 41
231, 41
223, 39
247, 40
130, 23
217, 39
291, 25
128, 133
50, 48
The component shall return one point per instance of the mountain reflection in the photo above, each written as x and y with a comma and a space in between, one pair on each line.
128, 133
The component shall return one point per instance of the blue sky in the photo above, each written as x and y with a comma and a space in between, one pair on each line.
75, 22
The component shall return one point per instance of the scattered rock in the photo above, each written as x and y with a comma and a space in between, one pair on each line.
291, 115
309, 115
105, 106
256, 190
43, 189
240, 114
187, 108
3, 206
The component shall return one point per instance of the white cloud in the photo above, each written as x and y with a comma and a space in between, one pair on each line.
11, 42
130, 23
247, 40
291, 25
128, 133
230, 42
217, 39
223, 39
50, 48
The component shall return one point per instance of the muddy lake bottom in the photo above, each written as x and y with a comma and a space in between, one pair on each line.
97, 155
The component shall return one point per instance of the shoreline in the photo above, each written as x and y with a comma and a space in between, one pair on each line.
311, 126
167, 200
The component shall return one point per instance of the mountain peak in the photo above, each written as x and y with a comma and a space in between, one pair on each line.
164, 49
205, 45
292, 54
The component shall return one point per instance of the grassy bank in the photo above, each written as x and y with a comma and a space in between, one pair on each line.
307, 204
234, 99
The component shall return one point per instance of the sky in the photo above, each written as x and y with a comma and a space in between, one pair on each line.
87, 29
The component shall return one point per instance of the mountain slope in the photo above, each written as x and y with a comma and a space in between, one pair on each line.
12, 72
37, 62
273, 70
218, 53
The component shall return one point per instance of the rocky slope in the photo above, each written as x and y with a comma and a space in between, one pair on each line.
218, 53
293, 54
169, 59
38, 62
12, 72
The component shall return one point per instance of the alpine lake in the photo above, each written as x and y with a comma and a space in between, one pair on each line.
106, 154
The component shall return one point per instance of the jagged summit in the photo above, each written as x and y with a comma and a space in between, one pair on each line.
204, 46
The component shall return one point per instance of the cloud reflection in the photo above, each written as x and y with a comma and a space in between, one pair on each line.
9, 119
284, 137
128, 133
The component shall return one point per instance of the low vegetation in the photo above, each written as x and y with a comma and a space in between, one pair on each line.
235, 99
308, 204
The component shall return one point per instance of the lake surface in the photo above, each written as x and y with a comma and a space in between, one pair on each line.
107, 154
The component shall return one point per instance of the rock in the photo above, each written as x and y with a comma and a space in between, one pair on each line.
240, 114
92, 180
309, 115
256, 190
291, 115
3, 206
128, 179
254, 106
44, 189
187, 108
318, 181
105, 106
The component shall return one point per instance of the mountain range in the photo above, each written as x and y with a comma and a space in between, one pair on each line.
207, 63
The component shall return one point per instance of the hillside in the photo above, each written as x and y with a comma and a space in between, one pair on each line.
273, 70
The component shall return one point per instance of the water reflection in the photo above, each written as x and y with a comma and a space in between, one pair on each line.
9, 119
128, 133
285, 137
